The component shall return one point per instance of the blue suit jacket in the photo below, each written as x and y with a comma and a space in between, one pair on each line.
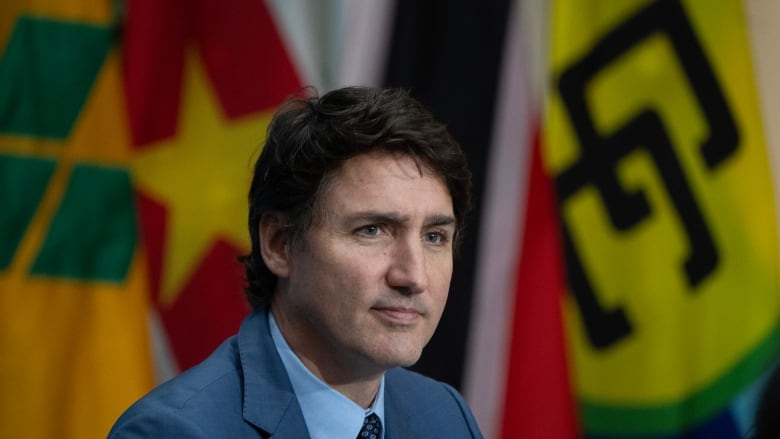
242, 391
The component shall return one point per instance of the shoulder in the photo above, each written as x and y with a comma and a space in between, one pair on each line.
192, 404
421, 388
427, 403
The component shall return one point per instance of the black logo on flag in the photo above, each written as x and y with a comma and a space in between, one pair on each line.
601, 153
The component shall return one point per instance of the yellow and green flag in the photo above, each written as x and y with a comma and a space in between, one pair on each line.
74, 348
127, 136
653, 137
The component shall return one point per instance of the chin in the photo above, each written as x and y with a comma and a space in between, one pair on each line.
395, 351
399, 359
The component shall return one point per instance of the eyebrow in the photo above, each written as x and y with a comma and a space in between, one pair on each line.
397, 218
440, 220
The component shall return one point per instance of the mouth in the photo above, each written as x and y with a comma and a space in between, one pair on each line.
398, 315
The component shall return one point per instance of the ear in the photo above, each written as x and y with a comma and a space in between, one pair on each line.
274, 247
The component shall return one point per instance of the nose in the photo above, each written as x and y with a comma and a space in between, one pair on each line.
407, 271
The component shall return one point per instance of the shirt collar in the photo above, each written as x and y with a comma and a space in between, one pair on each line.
328, 413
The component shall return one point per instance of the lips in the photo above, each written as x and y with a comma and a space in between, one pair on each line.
399, 314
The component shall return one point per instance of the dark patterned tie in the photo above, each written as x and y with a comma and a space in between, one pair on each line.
372, 428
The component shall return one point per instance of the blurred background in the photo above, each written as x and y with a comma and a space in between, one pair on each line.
619, 277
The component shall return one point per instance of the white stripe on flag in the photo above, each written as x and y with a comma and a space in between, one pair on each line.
764, 35
336, 42
369, 26
763, 32
517, 110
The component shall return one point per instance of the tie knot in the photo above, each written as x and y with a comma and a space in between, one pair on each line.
372, 428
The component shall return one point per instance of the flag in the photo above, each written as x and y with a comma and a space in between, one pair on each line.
475, 66
202, 81
619, 273
127, 139
517, 375
652, 136
448, 54
74, 350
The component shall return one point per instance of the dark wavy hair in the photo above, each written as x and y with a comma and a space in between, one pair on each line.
310, 137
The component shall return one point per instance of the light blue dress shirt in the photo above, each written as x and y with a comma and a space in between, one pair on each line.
328, 413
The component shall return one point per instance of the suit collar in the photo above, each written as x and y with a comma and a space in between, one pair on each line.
269, 401
397, 418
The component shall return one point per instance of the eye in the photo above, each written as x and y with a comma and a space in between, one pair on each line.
437, 238
369, 230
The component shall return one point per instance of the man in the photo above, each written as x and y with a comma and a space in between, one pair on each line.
356, 206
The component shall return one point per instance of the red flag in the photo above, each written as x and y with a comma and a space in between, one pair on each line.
538, 394
202, 79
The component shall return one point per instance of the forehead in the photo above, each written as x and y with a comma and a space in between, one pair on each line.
384, 179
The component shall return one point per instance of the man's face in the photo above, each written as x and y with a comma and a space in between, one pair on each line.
368, 282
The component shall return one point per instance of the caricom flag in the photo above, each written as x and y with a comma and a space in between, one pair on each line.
653, 137
74, 350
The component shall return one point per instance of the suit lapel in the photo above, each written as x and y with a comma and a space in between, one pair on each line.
269, 401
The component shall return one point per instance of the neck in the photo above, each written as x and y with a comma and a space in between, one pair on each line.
361, 393
358, 383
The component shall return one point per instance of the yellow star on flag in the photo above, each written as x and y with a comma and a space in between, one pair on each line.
202, 175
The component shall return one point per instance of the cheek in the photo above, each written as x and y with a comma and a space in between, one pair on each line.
341, 274
442, 282
441, 274
354, 262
